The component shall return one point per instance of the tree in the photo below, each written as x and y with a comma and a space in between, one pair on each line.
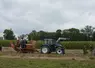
58, 33
25, 36
9, 34
29, 36
42, 34
74, 30
88, 31
33, 35
93, 36
51, 35
73, 34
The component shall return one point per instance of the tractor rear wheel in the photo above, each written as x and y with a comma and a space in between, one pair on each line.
45, 50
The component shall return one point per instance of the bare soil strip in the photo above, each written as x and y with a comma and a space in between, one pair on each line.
70, 55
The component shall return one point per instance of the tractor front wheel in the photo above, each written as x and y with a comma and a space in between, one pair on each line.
59, 50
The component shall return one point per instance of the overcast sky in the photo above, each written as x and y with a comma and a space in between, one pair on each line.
23, 16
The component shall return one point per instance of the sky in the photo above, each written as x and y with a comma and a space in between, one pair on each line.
23, 16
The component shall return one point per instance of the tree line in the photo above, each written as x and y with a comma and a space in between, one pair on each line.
74, 34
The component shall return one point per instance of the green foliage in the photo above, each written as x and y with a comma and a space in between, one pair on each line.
91, 47
33, 35
72, 44
41, 35
66, 44
9, 34
75, 44
39, 43
6, 43
85, 50
74, 34
58, 34
88, 31
93, 37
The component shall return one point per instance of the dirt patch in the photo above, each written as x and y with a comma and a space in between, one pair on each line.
8, 52
55, 58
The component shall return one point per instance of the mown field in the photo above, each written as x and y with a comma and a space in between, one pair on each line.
44, 63
66, 44
73, 58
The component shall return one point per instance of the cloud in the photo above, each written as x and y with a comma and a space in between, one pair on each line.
23, 16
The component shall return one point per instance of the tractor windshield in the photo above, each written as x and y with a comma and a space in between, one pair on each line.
49, 41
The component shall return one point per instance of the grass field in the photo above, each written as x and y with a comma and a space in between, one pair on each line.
44, 63
72, 59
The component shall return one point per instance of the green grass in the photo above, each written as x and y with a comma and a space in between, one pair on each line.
38, 63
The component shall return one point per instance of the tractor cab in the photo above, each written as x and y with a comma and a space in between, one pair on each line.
52, 41
49, 41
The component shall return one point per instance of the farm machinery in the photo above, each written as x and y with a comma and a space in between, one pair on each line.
52, 46
30, 47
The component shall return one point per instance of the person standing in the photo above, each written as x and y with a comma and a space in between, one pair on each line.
23, 43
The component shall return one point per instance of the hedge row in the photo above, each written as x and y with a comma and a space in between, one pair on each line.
72, 44
77, 44
66, 44
6, 43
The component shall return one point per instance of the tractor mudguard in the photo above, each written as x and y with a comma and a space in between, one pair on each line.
45, 45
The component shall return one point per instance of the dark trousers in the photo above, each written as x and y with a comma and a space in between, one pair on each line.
23, 46
0, 48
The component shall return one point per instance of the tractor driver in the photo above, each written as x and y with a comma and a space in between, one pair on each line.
23, 43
